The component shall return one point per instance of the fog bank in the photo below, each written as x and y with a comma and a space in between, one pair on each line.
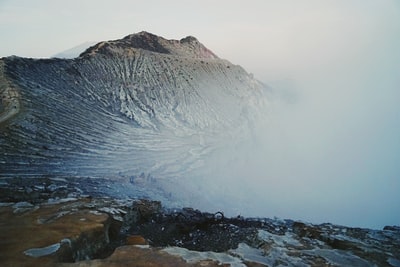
329, 148
328, 151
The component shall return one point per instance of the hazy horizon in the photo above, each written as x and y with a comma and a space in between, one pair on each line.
331, 151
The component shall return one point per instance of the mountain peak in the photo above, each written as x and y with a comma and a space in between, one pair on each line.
186, 47
189, 39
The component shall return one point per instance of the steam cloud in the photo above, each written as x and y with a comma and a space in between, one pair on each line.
328, 150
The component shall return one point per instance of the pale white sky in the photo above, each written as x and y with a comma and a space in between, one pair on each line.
261, 35
339, 60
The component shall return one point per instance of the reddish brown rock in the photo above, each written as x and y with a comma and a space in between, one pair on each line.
140, 257
49, 234
136, 240
67, 234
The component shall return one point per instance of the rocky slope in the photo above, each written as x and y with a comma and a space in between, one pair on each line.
57, 222
141, 106
83, 139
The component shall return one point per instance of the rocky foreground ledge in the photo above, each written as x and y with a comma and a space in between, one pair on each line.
53, 222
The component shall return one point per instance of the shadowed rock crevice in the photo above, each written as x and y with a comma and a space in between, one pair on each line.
10, 104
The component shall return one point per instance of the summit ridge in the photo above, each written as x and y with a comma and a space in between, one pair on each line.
185, 47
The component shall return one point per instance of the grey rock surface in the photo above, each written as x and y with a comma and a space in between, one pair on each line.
142, 104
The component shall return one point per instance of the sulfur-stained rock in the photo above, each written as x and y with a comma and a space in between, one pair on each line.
51, 233
136, 240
